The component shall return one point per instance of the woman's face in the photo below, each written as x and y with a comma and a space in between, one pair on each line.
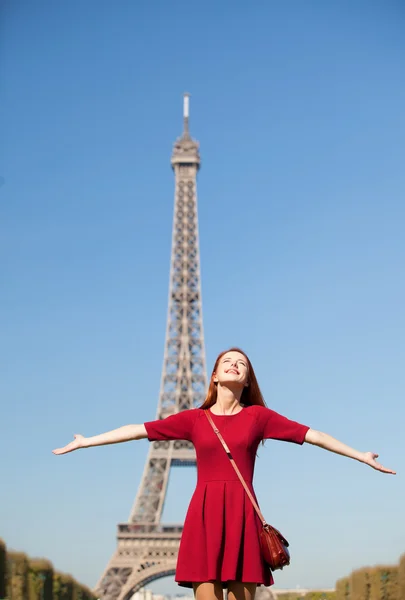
233, 369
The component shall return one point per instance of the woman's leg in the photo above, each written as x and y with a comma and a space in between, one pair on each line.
208, 590
241, 591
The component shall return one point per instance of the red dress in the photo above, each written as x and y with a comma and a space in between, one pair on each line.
220, 540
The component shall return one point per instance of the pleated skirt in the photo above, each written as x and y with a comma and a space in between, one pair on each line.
220, 540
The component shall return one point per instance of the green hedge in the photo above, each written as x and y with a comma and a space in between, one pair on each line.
308, 596
40, 580
360, 584
22, 578
82, 592
374, 583
3, 569
343, 589
384, 583
66, 588
62, 587
401, 577
18, 575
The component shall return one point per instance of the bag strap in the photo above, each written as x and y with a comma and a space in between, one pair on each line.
233, 463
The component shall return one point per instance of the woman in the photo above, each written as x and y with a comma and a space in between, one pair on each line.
220, 542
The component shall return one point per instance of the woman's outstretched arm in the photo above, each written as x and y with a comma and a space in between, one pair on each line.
122, 434
326, 441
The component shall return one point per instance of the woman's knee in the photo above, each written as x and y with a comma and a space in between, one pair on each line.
208, 590
237, 590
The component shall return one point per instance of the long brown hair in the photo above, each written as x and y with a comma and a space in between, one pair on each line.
250, 395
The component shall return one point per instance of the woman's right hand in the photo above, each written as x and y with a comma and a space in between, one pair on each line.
78, 442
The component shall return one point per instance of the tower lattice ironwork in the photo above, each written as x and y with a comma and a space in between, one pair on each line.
146, 548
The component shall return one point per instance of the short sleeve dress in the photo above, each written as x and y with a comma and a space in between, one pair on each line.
220, 539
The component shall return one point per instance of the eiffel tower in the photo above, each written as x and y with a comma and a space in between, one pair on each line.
147, 549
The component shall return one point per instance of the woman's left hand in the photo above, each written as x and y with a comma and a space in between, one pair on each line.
370, 460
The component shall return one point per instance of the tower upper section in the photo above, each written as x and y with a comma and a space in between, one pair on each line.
185, 149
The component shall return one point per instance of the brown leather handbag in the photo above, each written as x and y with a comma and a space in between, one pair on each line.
273, 544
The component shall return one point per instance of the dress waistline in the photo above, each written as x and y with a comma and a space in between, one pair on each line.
228, 479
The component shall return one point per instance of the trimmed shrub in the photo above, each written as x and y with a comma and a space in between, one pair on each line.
384, 583
360, 584
343, 589
62, 586
18, 575
401, 577
78, 592
22, 578
82, 592
3, 569
90, 595
40, 579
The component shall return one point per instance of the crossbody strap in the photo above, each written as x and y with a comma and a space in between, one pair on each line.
233, 463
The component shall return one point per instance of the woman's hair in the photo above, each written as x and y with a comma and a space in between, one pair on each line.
250, 395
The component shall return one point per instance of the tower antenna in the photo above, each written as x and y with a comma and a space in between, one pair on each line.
186, 112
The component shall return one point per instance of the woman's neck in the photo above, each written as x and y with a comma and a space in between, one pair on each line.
228, 401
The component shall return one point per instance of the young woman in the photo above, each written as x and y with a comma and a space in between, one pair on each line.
220, 541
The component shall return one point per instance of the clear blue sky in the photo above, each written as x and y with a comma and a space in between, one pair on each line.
299, 109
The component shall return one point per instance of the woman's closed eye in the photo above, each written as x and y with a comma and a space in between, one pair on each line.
236, 362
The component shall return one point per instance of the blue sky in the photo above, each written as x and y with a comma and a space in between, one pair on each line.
299, 110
